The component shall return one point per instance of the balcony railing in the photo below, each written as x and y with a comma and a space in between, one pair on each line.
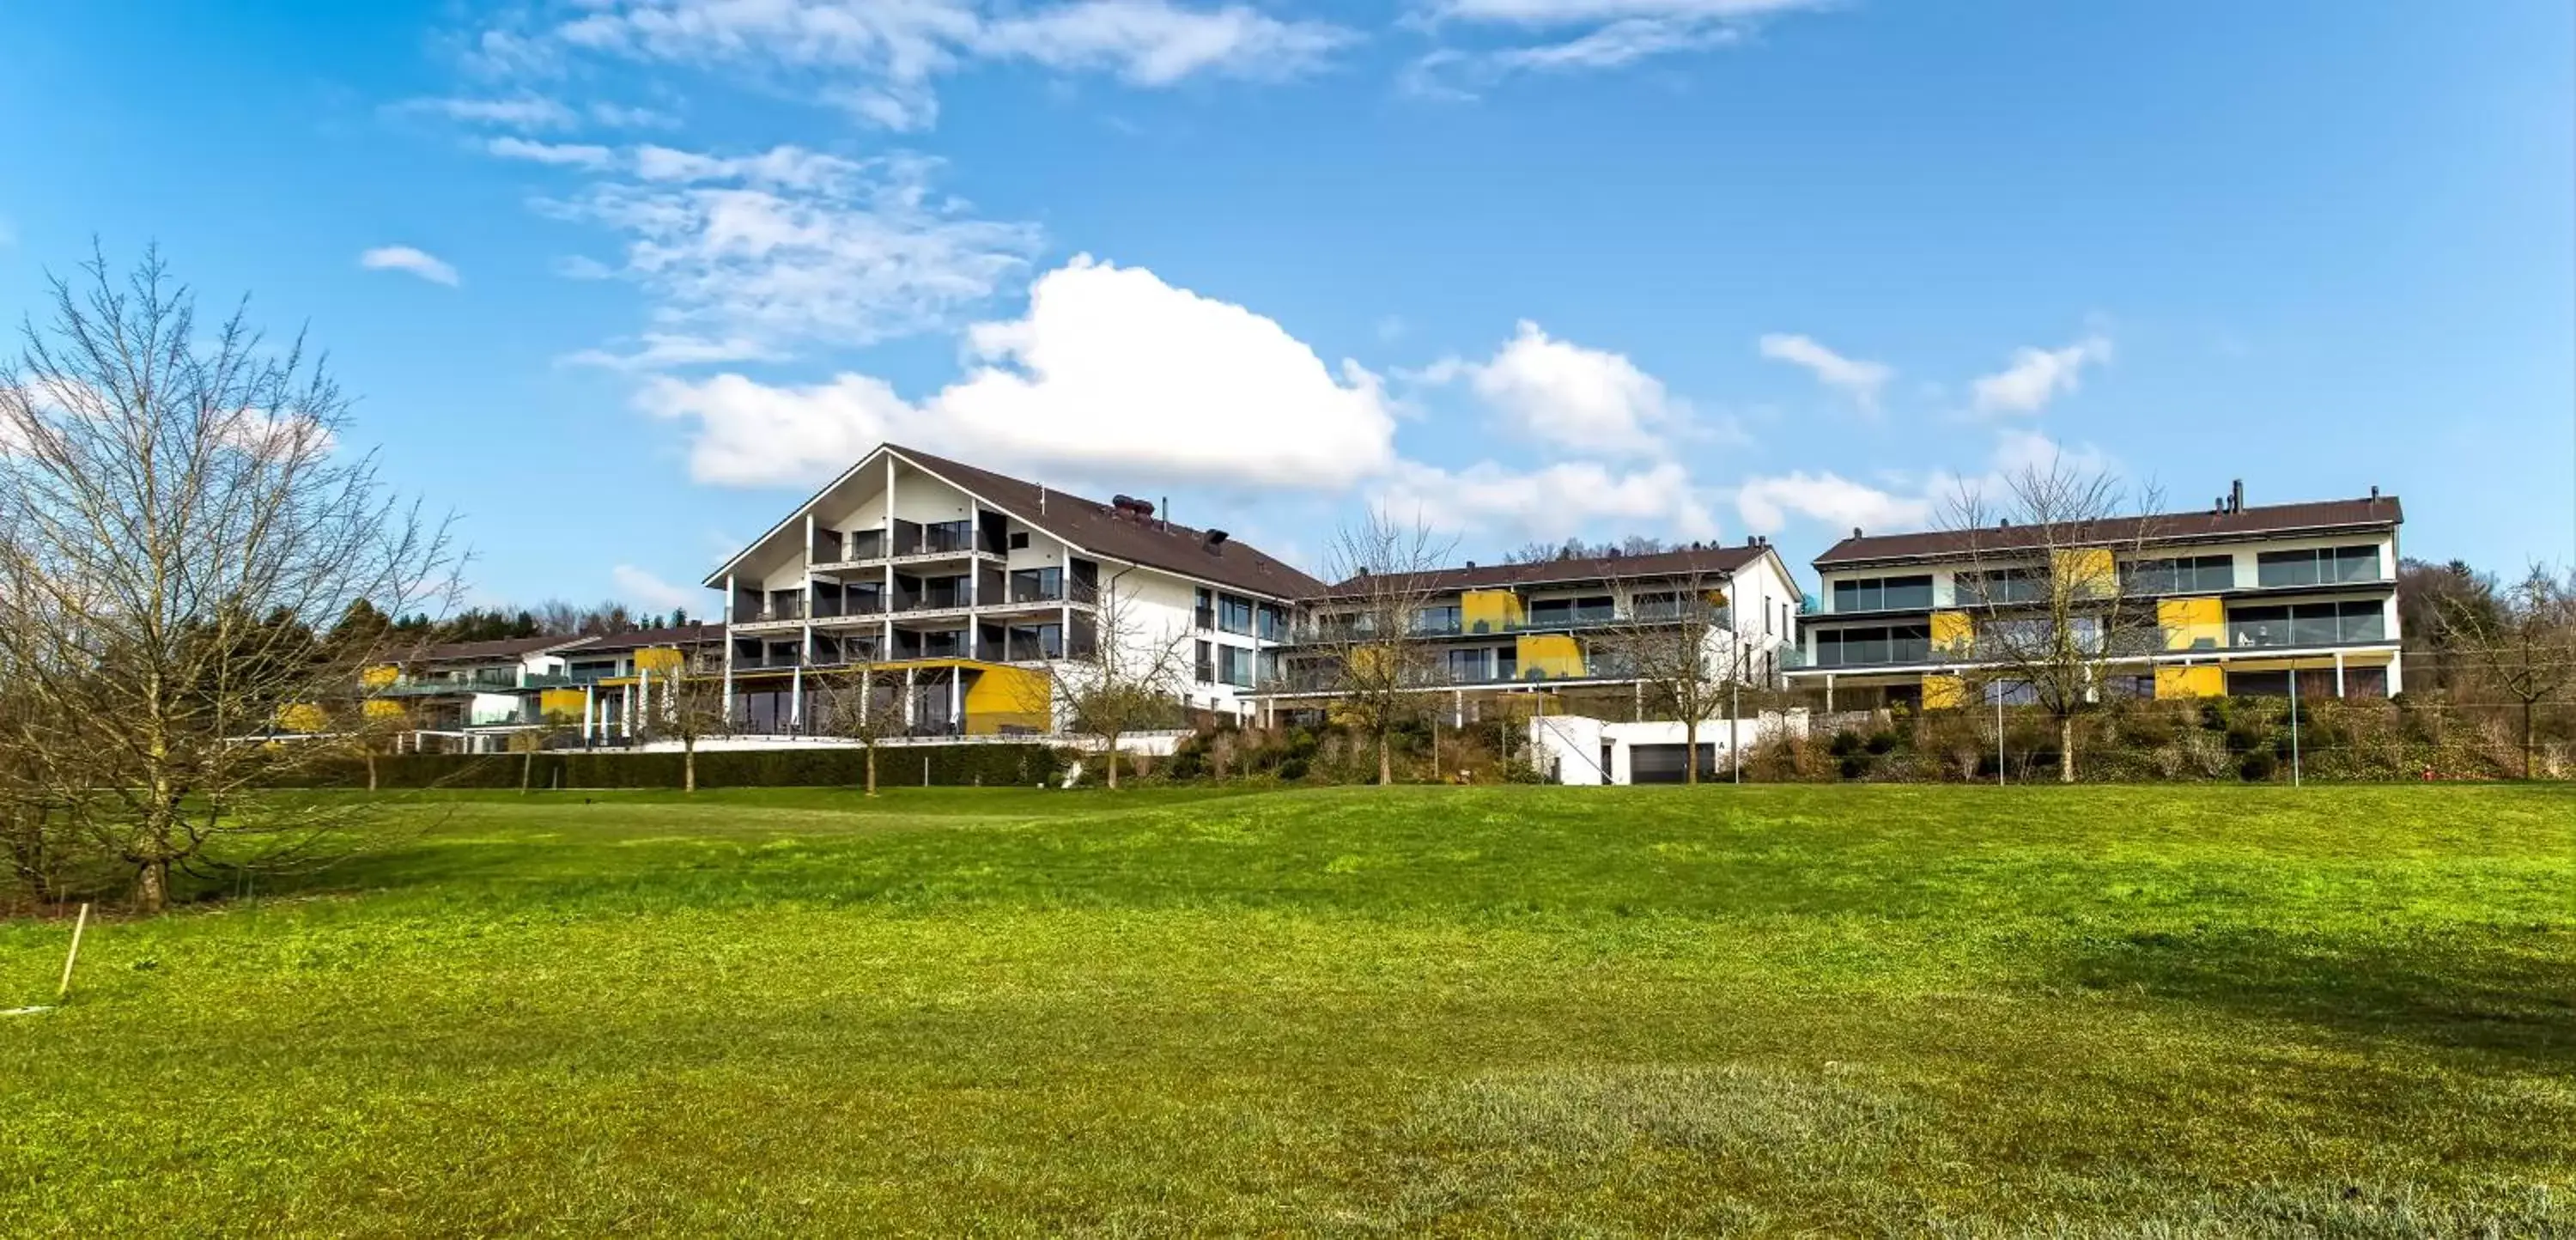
854, 605
1552, 622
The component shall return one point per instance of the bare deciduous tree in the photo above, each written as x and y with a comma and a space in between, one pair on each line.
2044, 589
1379, 657
178, 519
2521, 640
1673, 636
681, 704
1133, 678
861, 702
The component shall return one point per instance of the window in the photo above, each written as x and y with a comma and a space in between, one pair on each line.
2316, 566
1037, 585
1234, 666
1019, 540
1903, 643
2201, 574
1507, 663
2011, 693
1883, 594
2001, 585
2307, 624
1205, 664
1203, 613
1270, 622
1233, 614
1559, 612
1466, 666
1436, 619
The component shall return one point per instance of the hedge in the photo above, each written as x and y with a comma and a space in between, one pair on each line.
897, 765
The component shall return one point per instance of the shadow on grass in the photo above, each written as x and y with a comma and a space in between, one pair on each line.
2508, 991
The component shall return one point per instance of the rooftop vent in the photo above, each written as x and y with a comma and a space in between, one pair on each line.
1130, 506
1214, 539
1855, 531
2236, 495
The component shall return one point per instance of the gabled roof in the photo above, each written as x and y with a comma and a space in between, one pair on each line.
2322, 516
1091, 525
1687, 562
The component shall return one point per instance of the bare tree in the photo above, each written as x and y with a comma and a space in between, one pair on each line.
2522, 641
861, 702
1132, 678
679, 704
2043, 587
1674, 637
1379, 656
178, 519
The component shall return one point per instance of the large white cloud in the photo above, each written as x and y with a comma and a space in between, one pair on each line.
1112, 372
1551, 501
1560, 393
2038, 376
1768, 503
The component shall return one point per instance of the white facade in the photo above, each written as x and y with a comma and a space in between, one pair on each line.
1575, 749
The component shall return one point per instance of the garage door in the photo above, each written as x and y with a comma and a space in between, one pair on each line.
1663, 764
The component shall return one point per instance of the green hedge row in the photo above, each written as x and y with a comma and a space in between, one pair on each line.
945, 765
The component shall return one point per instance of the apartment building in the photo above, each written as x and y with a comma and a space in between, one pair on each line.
472, 697
1554, 627
971, 586
2245, 600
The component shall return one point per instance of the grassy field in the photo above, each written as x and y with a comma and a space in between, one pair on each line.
1829, 1010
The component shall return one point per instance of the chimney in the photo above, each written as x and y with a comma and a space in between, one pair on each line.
2236, 495
2374, 490
1214, 539
1167, 512
1471, 563
1855, 531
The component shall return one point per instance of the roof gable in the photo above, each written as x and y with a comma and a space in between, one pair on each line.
2161, 528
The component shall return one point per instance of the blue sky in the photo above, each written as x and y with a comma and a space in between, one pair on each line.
644, 270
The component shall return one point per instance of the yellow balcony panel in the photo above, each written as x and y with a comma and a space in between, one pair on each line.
1489, 611
1553, 656
1953, 632
1004, 698
2203, 680
1944, 692
2086, 572
2192, 623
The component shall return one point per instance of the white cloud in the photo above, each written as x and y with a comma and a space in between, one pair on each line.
1768, 503
749, 256
878, 59
624, 116
1559, 392
1550, 501
2038, 376
561, 154
520, 112
1153, 43
653, 592
1112, 372
1610, 34
1852, 377
405, 258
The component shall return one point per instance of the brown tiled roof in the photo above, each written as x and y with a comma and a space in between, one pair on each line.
638, 639
501, 648
1097, 527
2175, 527
1702, 561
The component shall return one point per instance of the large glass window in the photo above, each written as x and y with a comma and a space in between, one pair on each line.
1037, 585
2307, 624
2001, 585
1270, 622
1883, 594
1902, 643
1442, 619
2316, 566
1203, 613
2200, 574
1234, 666
1466, 666
1234, 614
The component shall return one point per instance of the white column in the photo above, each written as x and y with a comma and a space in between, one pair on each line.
2338, 675
586, 704
907, 698
796, 697
728, 645
957, 699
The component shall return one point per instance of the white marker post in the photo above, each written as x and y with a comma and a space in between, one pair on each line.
79, 924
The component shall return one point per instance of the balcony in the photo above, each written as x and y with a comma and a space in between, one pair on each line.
1022, 648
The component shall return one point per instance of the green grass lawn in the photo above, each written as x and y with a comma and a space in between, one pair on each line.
1864, 1010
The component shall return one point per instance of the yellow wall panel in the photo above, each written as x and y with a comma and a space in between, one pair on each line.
2192, 623
2087, 572
560, 703
1554, 656
1953, 632
1944, 692
2206, 680
385, 710
1497, 610
1008, 697
657, 658
379, 676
